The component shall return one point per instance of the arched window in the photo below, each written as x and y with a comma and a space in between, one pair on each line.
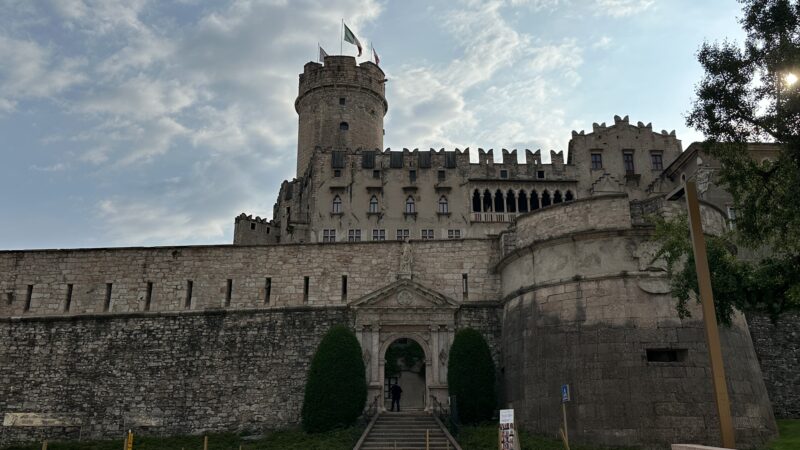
443, 206
511, 201
499, 203
545, 198
487, 201
410, 206
569, 197
534, 201
522, 200
344, 126
373, 204
337, 205
476, 201
557, 197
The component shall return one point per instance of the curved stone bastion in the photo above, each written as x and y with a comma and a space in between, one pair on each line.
585, 305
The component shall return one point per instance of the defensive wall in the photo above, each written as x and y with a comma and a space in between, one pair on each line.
96, 341
585, 305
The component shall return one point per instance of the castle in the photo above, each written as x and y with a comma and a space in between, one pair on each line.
551, 262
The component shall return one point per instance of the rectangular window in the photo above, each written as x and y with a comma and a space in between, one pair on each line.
427, 235
148, 297
337, 173
368, 159
440, 175
107, 304
376, 174
597, 161
731, 217
424, 160
9, 297
657, 160
28, 298
540, 174
342, 101
337, 159
354, 235
667, 354
68, 301
306, 284
228, 292
453, 234
465, 285
267, 290
188, 302
450, 160
378, 235
344, 288
328, 235
503, 173
402, 234
252, 225
627, 160
396, 160
412, 176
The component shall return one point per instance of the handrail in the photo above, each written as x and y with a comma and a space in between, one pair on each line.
370, 412
372, 408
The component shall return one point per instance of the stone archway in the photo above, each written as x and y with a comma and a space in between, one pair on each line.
415, 392
405, 309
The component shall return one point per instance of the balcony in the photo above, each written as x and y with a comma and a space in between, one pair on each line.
493, 217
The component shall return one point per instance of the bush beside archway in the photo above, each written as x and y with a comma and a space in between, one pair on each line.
471, 376
336, 388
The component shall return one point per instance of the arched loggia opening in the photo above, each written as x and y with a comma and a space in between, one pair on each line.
405, 364
476, 201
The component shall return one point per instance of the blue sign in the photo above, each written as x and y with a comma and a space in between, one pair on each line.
565, 393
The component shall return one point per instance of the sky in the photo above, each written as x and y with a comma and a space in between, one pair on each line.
148, 123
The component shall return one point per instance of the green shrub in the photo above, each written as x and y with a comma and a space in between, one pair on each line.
471, 377
336, 388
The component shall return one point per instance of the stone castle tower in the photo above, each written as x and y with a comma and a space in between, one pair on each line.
340, 105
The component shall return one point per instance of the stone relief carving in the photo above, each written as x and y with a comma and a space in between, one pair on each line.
443, 356
367, 356
404, 298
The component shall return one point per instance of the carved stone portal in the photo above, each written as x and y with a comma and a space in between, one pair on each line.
406, 309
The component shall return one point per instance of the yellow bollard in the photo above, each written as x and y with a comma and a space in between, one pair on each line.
44, 445
205, 442
427, 440
130, 441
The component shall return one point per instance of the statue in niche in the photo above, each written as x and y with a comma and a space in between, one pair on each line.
367, 356
406, 258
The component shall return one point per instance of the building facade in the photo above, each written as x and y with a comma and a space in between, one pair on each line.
551, 262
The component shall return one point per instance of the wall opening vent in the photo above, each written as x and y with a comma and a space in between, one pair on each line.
664, 355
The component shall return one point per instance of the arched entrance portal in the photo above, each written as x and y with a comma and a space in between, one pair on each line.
405, 310
405, 364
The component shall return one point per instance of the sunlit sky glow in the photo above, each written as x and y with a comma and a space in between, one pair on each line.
138, 122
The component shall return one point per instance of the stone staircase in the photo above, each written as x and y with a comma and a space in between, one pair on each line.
405, 431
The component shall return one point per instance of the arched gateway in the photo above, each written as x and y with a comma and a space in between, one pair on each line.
405, 309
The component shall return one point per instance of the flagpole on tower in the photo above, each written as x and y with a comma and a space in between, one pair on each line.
341, 39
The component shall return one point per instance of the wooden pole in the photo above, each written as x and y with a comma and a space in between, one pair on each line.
205, 442
565, 431
44, 445
709, 317
427, 440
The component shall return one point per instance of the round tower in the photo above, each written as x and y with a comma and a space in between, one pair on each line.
340, 105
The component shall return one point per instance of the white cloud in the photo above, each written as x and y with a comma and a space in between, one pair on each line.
31, 70
602, 43
57, 167
621, 8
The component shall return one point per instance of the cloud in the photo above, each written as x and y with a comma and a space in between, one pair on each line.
602, 43
621, 8
31, 70
58, 167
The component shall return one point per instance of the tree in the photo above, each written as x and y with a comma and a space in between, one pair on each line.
471, 376
336, 388
738, 285
750, 93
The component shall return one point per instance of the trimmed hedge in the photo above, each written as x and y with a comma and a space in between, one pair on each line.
471, 377
336, 388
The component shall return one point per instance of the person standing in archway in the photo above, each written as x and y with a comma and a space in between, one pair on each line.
396, 390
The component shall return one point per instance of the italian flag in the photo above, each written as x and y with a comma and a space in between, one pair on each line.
351, 38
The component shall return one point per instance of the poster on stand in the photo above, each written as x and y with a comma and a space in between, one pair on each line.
508, 439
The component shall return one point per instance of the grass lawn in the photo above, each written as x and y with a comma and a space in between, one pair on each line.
790, 435
484, 437
290, 439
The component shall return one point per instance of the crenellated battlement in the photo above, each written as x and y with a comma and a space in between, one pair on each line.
342, 72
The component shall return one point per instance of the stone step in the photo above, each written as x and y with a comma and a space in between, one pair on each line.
405, 431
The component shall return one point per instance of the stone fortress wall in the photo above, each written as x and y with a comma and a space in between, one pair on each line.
585, 305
